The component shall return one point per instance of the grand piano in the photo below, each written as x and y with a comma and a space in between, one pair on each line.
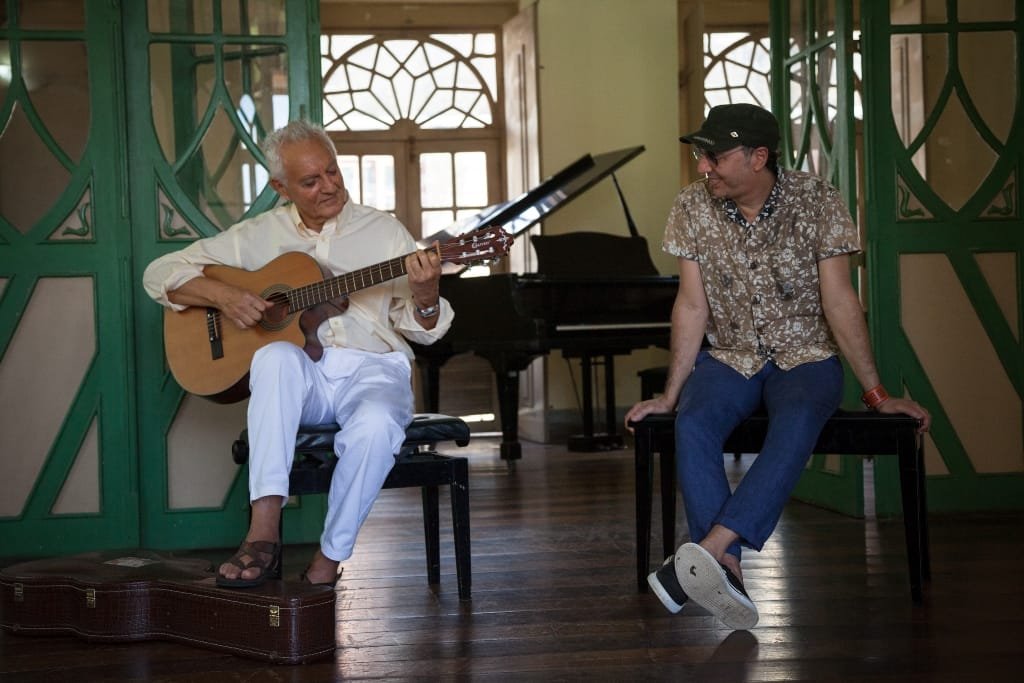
595, 296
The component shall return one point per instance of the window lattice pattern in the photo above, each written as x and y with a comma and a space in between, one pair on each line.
737, 68
444, 81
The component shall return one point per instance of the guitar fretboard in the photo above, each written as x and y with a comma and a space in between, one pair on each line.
310, 295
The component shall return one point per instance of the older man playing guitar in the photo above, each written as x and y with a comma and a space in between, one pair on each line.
361, 377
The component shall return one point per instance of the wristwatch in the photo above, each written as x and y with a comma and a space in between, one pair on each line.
428, 311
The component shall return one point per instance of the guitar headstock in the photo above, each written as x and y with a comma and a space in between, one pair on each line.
482, 246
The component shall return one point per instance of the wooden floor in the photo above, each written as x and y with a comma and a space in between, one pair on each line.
554, 598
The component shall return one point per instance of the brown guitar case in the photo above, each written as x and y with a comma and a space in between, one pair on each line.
140, 595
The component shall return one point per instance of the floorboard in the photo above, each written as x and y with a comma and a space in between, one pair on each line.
554, 597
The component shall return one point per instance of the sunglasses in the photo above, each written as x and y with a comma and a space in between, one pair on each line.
713, 158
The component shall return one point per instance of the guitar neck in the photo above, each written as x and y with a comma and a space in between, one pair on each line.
310, 295
480, 245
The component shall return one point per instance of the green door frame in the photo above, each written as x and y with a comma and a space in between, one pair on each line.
909, 219
165, 217
85, 234
122, 206
813, 54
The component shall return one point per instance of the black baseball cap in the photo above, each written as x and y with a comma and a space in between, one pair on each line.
730, 125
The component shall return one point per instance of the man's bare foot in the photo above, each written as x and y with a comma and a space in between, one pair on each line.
321, 570
260, 553
253, 563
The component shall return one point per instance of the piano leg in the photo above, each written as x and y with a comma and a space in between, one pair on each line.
430, 379
506, 374
611, 421
586, 373
508, 405
589, 440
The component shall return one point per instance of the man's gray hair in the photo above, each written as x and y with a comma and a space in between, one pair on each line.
299, 130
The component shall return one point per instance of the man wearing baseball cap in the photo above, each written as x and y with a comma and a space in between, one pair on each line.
764, 275
731, 125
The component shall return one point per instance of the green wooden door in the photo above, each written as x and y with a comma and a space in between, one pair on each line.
813, 96
67, 433
945, 134
207, 81
127, 129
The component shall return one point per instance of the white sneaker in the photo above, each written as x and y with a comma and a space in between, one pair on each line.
665, 585
713, 587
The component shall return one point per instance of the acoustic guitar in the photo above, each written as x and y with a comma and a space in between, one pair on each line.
210, 356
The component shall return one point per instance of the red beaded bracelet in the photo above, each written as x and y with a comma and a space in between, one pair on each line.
872, 398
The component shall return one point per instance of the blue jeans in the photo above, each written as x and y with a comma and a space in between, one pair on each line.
714, 400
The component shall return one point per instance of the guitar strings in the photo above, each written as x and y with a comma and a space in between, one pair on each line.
314, 293
307, 296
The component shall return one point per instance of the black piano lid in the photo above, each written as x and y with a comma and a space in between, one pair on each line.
521, 213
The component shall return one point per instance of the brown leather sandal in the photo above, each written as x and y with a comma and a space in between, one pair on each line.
250, 555
304, 577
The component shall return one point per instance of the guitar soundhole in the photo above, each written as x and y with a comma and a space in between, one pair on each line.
279, 315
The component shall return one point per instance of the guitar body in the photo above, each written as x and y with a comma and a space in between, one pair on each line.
209, 356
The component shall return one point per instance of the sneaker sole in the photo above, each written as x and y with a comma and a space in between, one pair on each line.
704, 581
659, 590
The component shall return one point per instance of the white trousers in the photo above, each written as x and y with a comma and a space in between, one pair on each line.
368, 394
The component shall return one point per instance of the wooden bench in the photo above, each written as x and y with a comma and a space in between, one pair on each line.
417, 464
846, 432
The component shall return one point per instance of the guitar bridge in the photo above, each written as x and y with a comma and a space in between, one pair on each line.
213, 333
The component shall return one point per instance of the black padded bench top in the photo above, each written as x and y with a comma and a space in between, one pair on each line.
853, 432
425, 428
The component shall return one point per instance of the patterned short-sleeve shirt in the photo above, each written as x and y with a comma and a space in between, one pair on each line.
761, 279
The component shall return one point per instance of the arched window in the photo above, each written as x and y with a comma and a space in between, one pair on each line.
416, 121
737, 68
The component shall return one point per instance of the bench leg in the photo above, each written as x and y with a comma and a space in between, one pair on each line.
431, 534
644, 484
922, 512
912, 485
667, 452
460, 527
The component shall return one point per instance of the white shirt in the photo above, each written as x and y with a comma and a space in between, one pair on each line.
377, 318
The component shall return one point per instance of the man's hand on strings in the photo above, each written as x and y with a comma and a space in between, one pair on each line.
424, 271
